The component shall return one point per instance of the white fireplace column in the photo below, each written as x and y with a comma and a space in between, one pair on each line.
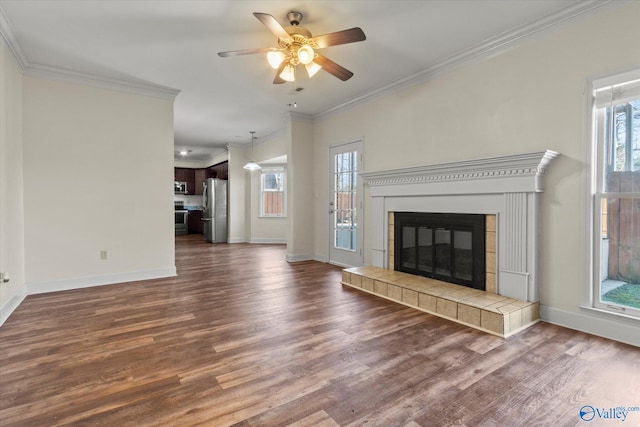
507, 186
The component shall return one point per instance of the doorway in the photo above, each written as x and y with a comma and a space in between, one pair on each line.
345, 205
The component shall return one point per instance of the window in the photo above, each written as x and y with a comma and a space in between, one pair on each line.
616, 194
272, 196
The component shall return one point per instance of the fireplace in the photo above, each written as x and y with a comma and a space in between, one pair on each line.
506, 189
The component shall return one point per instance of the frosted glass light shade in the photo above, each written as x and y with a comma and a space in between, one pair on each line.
312, 69
252, 166
288, 73
305, 54
275, 58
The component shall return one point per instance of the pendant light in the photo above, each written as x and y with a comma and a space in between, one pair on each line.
252, 166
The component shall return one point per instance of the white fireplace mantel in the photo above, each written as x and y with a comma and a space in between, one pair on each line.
507, 186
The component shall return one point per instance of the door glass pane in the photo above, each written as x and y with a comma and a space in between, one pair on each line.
425, 249
344, 200
443, 251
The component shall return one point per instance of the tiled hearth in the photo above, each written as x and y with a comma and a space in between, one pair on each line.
496, 314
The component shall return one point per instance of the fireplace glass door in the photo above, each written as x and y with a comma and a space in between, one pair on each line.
448, 247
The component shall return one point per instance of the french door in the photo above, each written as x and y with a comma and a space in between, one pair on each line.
345, 205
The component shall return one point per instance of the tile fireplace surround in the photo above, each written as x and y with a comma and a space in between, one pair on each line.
506, 186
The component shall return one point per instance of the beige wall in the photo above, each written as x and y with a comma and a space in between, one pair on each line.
98, 167
238, 193
11, 184
529, 98
300, 191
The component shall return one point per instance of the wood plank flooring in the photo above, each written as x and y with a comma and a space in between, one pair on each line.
242, 337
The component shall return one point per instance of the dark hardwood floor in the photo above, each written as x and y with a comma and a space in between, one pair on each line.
243, 337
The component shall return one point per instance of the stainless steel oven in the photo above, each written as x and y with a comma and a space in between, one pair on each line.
181, 219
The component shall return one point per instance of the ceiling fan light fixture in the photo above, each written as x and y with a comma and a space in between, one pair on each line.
288, 73
305, 54
312, 69
275, 58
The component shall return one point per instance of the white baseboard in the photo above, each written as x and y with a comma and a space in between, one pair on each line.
12, 304
237, 240
320, 258
592, 322
87, 282
268, 241
299, 257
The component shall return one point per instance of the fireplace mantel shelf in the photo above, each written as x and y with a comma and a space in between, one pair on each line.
526, 167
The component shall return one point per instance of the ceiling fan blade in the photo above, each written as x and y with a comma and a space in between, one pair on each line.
274, 26
332, 68
340, 37
244, 51
279, 80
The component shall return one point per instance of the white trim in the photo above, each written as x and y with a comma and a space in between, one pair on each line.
299, 257
90, 281
595, 322
320, 258
233, 240
268, 241
486, 49
495, 175
6, 31
12, 305
101, 82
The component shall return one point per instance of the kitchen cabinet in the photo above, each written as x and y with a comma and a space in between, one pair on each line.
200, 175
220, 171
186, 175
195, 222
194, 177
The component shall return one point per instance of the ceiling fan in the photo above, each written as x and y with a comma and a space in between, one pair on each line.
298, 47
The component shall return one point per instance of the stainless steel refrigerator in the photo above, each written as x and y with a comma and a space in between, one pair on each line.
214, 215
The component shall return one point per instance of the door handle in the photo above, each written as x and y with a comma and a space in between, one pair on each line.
331, 211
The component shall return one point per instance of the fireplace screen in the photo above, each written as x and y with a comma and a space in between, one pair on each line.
448, 247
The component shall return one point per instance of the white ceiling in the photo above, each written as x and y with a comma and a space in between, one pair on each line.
174, 44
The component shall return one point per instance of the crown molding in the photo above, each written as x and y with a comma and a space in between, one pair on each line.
9, 38
31, 69
486, 49
102, 82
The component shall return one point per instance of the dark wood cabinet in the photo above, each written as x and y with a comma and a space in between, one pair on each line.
185, 175
194, 177
200, 175
220, 171
195, 222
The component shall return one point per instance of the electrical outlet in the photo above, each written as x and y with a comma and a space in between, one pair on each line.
103, 254
4, 277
